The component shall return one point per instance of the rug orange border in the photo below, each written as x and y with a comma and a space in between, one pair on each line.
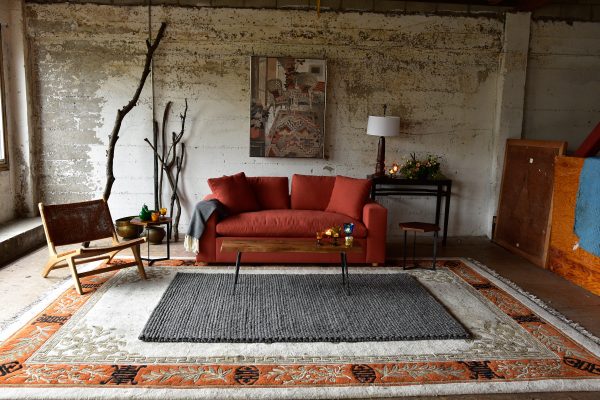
15, 371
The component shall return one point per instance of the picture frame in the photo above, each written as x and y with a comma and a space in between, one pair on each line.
287, 107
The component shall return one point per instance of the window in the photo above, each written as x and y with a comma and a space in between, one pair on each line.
3, 133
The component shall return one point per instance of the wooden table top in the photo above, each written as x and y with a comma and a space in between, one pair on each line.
161, 220
286, 246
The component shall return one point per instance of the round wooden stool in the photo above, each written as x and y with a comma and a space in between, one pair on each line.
421, 227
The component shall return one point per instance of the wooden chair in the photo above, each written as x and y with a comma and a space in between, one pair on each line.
66, 224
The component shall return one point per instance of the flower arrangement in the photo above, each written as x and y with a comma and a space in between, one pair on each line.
420, 169
330, 233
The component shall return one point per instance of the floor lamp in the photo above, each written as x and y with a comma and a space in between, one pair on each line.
382, 127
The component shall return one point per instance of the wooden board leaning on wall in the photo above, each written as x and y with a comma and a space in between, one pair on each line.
523, 223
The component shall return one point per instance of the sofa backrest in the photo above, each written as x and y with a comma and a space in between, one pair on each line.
311, 192
272, 192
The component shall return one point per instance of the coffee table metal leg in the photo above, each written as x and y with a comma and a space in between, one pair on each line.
343, 269
237, 268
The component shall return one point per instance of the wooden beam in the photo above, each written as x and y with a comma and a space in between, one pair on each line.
591, 145
530, 5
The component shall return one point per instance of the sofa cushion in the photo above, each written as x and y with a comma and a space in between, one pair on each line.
285, 223
234, 192
311, 192
349, 196
272, 192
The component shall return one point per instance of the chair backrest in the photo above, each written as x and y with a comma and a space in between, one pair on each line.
275, 86
77, 222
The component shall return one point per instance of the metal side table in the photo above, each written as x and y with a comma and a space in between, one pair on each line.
161, 221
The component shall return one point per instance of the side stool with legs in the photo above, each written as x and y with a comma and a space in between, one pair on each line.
421, 227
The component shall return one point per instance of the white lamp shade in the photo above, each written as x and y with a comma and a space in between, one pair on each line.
383, 126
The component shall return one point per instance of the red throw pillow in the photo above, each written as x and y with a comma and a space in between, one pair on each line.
272, 192
311, 192
349, 196
234, 192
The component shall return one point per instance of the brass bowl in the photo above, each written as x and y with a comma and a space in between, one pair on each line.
156, 234
127, 230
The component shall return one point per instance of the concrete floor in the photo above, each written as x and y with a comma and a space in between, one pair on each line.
21, 282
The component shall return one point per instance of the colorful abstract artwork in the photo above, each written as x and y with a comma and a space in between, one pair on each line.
287, 109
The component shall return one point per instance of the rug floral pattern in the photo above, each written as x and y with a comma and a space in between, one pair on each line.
549, 353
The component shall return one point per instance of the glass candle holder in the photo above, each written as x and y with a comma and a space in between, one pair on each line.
348, 241
335, 238
348, 229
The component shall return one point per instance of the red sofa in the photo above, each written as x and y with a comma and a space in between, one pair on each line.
260, 207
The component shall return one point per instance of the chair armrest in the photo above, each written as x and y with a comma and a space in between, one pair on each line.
116, 246
375, 220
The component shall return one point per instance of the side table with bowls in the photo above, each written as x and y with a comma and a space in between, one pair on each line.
167, 221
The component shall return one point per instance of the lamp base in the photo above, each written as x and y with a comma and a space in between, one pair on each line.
380, 164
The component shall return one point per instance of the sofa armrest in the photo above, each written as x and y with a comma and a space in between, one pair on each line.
208, 242
375, 220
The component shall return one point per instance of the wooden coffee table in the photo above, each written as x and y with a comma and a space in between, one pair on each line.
288, 246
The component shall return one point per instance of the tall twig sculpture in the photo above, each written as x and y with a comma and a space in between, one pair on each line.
163, 150
121, 113
168, 161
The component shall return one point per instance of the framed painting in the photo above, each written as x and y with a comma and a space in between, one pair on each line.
287, 107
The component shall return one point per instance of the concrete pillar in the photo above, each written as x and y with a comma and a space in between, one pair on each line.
19, 106
510, 102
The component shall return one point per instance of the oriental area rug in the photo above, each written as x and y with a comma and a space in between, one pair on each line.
73, 347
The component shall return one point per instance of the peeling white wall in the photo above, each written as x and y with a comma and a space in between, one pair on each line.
563, 81
438, 73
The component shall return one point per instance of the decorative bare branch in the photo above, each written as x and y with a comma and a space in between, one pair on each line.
163, 150
172, 159
175, 195
114, 136
155, 141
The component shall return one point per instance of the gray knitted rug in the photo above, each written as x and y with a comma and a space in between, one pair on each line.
298, 308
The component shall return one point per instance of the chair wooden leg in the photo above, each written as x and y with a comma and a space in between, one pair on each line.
111, 256
75, 276
49, 267
138, 260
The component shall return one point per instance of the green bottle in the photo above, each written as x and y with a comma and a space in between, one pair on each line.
145, 213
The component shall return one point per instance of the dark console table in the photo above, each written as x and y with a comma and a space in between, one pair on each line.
438, 188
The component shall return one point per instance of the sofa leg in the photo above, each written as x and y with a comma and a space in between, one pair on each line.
375, 264
201, 264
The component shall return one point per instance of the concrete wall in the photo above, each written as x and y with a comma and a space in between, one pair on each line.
563, 81
438, 73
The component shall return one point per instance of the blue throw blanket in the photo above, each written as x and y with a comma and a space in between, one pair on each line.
587, 210
202, 213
